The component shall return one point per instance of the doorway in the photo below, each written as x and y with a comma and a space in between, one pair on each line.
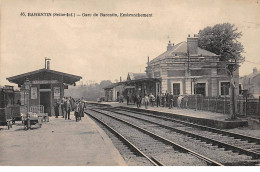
45, 100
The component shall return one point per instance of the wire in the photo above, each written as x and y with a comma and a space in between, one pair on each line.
252, 62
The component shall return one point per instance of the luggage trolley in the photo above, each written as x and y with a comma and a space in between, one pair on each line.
39, 110
35, 116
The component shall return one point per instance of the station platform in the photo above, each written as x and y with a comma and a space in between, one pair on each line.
216, 120
58, 143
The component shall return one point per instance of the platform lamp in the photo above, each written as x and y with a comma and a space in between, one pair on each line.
27, 85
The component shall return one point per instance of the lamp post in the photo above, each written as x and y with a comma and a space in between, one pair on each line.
27, 86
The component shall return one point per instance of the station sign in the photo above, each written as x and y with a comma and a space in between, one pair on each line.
34, 93
56, 91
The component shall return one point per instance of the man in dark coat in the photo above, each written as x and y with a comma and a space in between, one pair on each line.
62, 106
167, 99
68, 109
170, 100
138, 101
127, 99
56, 109
163, 100
158, 100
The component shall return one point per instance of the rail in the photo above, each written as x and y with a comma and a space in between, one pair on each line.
175, 145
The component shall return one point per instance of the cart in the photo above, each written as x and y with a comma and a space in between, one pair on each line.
39, 110
30, 119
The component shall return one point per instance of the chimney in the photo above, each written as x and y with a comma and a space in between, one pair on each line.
254, 70
192, 44
148, 61
169, 47
120, 79
48, 65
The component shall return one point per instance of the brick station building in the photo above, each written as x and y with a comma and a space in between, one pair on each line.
46, 87
185, 68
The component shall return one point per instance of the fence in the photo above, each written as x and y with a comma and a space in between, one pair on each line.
245, 107
37, 109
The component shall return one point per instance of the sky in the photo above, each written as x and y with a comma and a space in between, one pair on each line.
105, 48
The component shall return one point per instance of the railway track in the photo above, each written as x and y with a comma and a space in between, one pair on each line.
243, 144
250, 139
227, 143
137, 152
156, 148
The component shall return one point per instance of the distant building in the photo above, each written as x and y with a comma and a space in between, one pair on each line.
251, 83
134, 76
113, 91
136, 83
185, 68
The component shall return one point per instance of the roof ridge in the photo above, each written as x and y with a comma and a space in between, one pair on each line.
178, 45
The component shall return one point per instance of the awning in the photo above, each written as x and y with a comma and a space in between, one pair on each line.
67, 78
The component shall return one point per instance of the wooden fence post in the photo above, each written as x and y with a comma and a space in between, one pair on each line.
259, 108
246, 107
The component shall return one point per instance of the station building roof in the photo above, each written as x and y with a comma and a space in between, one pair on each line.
112, 85
180, 49
42, 74
134, 76
131, 82
141, 80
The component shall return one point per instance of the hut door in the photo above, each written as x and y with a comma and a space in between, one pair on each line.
45, 100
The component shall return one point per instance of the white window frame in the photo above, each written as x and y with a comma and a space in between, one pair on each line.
181, 86
201, 82
219, 88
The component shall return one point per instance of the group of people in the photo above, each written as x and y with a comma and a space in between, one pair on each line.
161, 100
67, 105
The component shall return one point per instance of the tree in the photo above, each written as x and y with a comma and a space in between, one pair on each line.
105, 83
222, 39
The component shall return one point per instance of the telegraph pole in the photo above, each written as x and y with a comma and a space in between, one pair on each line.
231, 67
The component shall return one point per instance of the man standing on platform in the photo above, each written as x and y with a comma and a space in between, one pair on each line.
81, 108
62, 105
56, 109
68, 109
138, 101
146, 101
167, 98
170, 100
158, 100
